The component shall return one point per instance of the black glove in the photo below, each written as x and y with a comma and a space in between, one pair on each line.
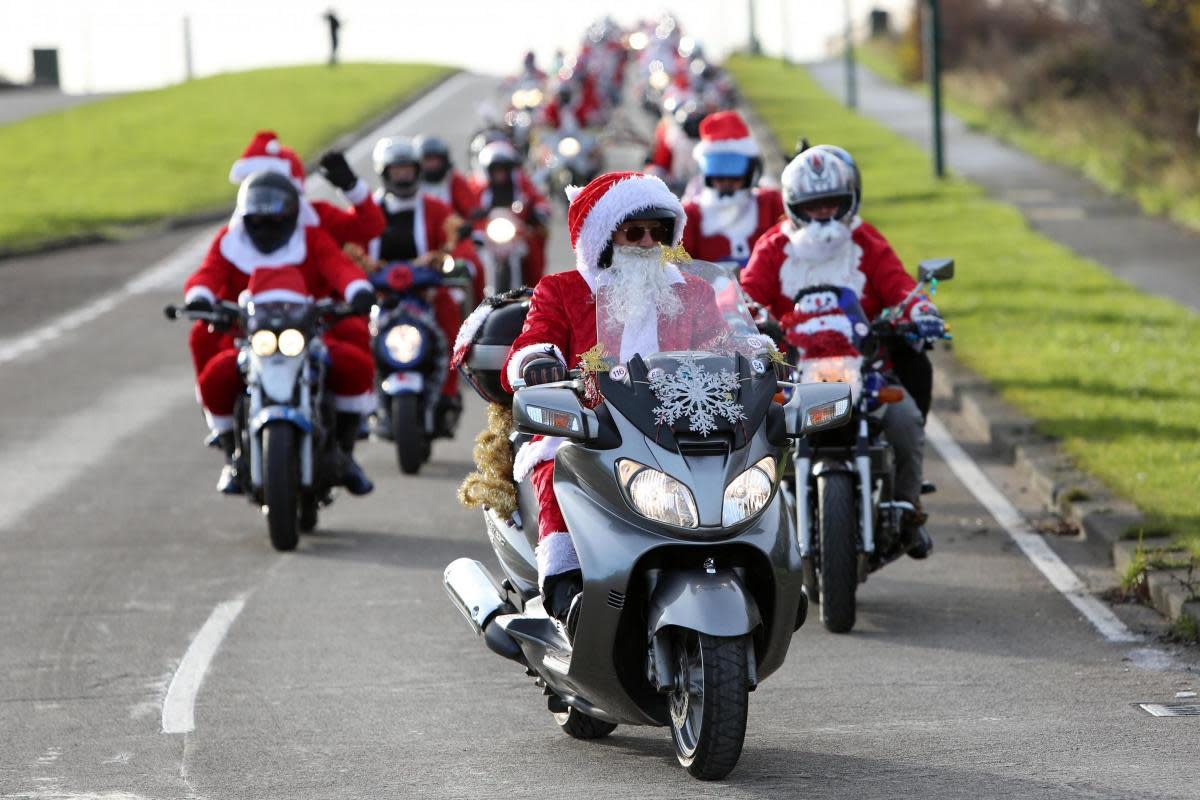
199, 304
543, 369
337, 171
362, 301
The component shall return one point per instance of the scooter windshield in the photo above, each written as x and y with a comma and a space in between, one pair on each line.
678, 353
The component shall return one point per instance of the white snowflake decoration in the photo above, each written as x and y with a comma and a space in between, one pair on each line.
701, 396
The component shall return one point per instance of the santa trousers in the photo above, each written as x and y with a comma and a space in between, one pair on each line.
351, 374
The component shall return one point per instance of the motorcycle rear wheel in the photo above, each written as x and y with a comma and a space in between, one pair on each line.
281, 484
838, 574
578, 725
408, 433
709, 703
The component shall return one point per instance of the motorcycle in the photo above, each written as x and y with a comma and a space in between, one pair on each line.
848, 518
503, 247
690, 564
412, 355
568, 159
284, 420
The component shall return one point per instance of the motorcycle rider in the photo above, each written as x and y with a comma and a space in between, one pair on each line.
421, 229
439, 178
617, 224
501, 183
821, 243
731, 213
265, 234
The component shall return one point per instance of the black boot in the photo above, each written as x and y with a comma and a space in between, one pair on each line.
229, 482
446, 415
920, 542
352, 475
561, 596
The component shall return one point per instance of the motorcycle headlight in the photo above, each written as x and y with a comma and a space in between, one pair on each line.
748, 493
291, 342
656, 495
501, 230
569, 147
403, 343
263, 343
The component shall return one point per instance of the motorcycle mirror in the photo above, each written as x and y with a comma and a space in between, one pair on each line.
935, 269
817, 407
553, 411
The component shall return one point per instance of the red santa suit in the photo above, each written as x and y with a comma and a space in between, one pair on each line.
427, 217
562, 323
455, 191
311, 264
533, 206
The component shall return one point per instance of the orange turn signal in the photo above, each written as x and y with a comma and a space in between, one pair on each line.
891, 394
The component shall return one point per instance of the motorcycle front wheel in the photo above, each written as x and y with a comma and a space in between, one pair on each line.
408, 433
838, 575
281, 484
709, 702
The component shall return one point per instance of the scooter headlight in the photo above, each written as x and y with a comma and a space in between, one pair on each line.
569, 147
501, 230
263, 343
656, 495
748, 493
291, 342
404, 343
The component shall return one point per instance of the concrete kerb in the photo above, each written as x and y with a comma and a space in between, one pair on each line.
136, 230
1051, 477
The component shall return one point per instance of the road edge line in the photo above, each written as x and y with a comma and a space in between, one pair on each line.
179, 705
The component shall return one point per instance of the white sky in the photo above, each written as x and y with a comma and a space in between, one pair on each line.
111, 45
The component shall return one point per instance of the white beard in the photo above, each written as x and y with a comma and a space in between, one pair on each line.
822, 253
638, 285
722, 214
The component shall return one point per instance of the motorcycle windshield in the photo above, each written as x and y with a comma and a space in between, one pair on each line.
678, 354
276, 315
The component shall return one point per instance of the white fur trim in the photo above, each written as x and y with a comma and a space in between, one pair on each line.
837, 323
281, 296
245, 167
572, 192
534, 452
555, 555
219, 423
471, 326
355, 403
354, 286
358, 192
514, 360
200, 292
238, 250
622, 199
742, 147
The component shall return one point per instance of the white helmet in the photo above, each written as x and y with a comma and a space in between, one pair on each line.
817, 174
391, 151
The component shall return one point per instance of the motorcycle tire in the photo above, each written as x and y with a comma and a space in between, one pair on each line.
408, 433
578, 725
281, 484
838, 574
708, 727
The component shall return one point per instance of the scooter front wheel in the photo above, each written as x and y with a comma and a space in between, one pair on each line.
709, 702
408, 433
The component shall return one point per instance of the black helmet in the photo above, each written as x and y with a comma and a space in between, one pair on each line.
269, 206
432, 147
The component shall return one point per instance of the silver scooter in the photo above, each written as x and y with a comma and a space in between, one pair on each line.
670, 486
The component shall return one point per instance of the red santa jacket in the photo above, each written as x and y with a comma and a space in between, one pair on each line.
455, 191
358, 224
430, 234
231, 260
526, 193
562, 321
736, 240
878, 276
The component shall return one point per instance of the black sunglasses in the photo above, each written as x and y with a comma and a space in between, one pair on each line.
659, 232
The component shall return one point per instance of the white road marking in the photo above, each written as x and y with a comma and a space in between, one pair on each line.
1062, 577
179, 707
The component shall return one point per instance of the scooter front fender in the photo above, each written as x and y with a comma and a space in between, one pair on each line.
715, 603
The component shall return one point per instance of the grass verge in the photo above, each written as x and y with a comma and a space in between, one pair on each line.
1108, 370
1090, 136
146, 155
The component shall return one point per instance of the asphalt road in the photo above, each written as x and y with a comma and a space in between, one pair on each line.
348, 673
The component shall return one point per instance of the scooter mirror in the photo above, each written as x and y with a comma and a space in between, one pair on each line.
935, 269
553, 411
817, 407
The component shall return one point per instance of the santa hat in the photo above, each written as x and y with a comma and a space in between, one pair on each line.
280, 285
598, 208
725, 132
265, 153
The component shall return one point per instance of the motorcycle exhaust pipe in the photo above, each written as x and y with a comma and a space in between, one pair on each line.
476, 595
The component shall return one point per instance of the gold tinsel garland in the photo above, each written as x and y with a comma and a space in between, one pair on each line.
491, 484
674, 255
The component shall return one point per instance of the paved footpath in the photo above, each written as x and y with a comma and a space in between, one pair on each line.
1151, 253
18, 104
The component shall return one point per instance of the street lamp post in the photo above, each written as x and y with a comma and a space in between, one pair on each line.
753, 44
851, 64
933, 68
